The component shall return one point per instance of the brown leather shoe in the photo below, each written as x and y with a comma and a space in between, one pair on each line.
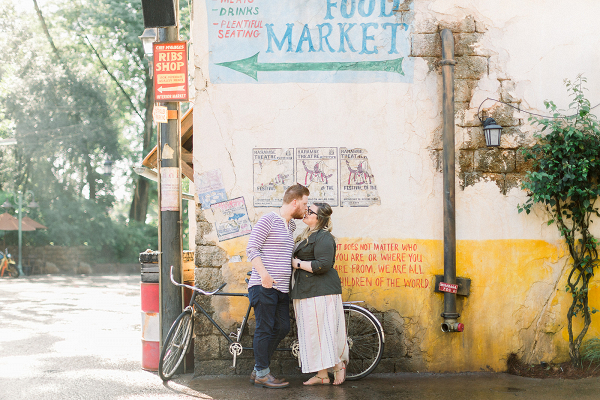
269, 381
253, 376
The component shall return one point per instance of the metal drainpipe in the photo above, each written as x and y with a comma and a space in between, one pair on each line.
450, 315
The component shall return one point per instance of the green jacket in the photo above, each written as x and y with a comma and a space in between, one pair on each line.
324, 280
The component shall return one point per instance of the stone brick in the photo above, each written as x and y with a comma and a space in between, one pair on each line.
464, 116
393, 323
506, 87
207, 348
213, 367
465, 160
505, 116
203, 228
436, 140
386, 365
426, 26
466, 25
480, 27
464, 44
208, 278
472, 138
202, 326
523, 166
210, 256
463, 89
470, 67
512, 181
513, 138
290, 367
494, 160
426, 45
474, 177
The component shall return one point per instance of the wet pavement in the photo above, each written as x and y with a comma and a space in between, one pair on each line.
78, 337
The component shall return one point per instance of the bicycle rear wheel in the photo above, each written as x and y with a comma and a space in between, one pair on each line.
365, 341
175, 346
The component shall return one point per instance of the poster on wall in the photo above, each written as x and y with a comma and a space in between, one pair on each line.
210, 187
331, 41
273, 171
231, 219
357, 182
317, 169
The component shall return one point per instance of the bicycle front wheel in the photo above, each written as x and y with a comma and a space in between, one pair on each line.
175, 346
365, 342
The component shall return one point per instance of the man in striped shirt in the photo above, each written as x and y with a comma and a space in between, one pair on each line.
270, 250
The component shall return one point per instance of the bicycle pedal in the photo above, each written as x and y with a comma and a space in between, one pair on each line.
233, 335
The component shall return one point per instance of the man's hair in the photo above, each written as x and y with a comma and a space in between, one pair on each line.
295, 192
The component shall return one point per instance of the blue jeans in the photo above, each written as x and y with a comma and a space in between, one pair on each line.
272, 314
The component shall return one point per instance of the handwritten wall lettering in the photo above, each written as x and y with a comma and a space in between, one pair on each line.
384, 265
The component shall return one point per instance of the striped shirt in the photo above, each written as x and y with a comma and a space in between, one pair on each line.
273, 242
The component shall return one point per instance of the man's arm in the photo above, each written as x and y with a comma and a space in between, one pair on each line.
253, 250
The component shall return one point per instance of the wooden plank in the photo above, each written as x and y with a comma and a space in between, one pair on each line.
187, 130
187, 171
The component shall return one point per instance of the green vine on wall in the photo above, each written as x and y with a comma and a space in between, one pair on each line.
566, 180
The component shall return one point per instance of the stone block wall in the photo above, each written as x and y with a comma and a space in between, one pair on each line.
68, 260
475, 161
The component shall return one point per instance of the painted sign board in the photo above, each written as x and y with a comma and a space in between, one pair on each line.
170, 182
160, 114
273, 170
210, 187
170, 71
317, 169
231, 219
332, 41
448, 287
357, 182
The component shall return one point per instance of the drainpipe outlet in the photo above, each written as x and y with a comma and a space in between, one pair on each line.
452, 327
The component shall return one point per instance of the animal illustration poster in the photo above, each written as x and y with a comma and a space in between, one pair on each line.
317, 168
273, 174
210, 188
357, 182
231, 219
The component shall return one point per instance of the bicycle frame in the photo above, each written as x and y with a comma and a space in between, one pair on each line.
365, 336
197, 307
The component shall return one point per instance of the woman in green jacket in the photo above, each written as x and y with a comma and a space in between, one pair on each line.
317, 295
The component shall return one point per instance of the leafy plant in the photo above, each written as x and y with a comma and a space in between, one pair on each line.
590, 351
565, 181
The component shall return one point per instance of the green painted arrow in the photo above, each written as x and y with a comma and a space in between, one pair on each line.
250, 66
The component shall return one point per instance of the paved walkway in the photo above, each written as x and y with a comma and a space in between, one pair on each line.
74, 337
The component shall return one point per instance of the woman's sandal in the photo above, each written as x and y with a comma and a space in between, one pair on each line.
317, 380
336, 371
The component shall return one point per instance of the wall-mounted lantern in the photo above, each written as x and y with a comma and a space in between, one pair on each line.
492, 132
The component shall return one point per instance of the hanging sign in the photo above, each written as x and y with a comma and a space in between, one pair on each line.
160, 114
448, 287
170, 71
328, 41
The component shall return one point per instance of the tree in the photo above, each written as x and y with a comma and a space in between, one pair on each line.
565, 180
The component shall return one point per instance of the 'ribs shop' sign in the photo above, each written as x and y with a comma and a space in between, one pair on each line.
266, 41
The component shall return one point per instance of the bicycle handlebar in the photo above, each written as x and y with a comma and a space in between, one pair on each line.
194, 287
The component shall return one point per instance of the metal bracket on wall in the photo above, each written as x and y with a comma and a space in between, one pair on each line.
464, 285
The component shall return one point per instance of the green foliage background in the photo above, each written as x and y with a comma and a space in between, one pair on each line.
69, 116
565, 180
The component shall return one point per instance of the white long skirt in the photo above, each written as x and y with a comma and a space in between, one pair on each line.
321, 332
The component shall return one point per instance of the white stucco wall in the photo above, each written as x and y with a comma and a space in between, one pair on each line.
532, 44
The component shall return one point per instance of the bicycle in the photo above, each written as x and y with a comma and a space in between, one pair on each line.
7, 265
364, 331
